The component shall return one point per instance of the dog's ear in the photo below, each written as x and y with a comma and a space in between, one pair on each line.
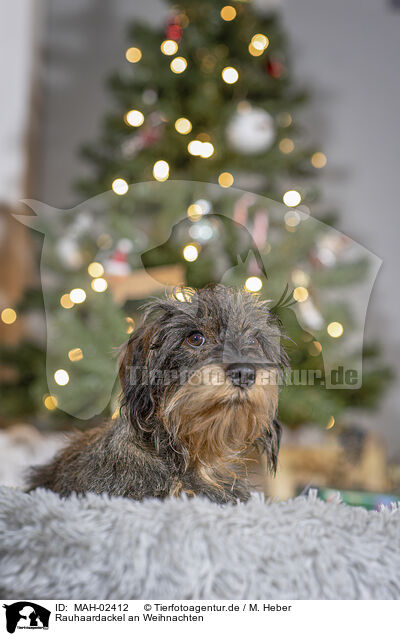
133, 354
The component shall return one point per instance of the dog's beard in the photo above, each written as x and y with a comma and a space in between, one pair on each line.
213, 422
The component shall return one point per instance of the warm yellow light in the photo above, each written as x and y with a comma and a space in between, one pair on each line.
66, 302
190, 253
318, 160
331, 423
183, 125
253, 284
95, 269
161, 170
75, 354
195, 147
207, 149
169, 47
134, 118
178, 64
133, 54
130, 324
225, 179
77, 295
120, 186
335, 329
8, 316
300, 294
228, 13
255, 52
286, 145
260, 41
50, 402
291, 198
300, 278
61, 377
99, 285
194, 212
230, 75
185, 294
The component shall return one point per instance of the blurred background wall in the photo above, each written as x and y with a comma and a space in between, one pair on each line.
346, 51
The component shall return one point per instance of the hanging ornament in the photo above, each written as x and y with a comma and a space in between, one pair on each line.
251, 131
174, 30
117, 264
275, 68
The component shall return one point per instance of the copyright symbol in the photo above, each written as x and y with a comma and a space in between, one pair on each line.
147, 607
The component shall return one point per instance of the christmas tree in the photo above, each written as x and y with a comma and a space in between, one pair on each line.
208, 178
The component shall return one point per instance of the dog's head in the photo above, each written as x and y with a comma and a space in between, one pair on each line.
206, 368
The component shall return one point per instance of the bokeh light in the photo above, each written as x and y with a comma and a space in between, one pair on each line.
230, 75
99, 285
120, 186
61, 377
228, 13
253, 284
190, 253
169, 47
286, 145
133, 54
335, 329
318, 160
225, 179
134, 118
183, 125
300, 294
291, 198
161, 170
8, 316
77, 295
50, 402
178, 64
66, 302
96, 269
75, 354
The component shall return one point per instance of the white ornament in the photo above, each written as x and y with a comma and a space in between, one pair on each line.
251, 131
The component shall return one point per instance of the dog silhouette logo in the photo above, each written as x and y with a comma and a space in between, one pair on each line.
26, 615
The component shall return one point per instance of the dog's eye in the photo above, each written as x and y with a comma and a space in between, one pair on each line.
196, 339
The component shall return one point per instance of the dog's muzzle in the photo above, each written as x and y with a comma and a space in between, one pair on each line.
242, 375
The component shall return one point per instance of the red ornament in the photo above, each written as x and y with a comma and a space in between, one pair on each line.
174, 32
275, 68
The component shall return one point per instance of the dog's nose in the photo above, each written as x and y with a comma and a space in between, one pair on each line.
243, 375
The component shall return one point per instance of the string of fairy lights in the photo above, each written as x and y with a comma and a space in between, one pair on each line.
201, 146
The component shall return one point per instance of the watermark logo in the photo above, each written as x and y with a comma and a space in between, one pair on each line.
26, 615
106, 257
